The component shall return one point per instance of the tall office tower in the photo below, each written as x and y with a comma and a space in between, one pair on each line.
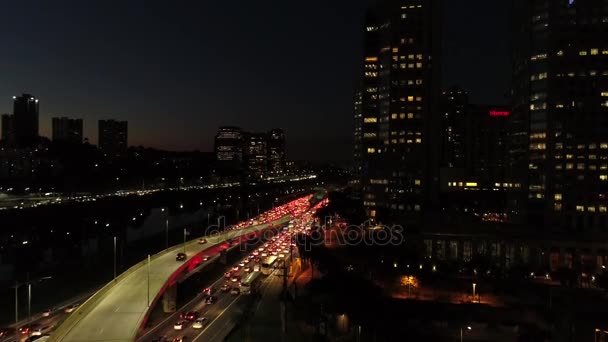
229, 144
113, 136
474, 157
256, 155
454, 121
560, 90
7, 128
25, 119
400, 110
67, 130
358, 140
276, 151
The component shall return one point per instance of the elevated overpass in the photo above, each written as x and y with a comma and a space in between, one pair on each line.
120, 309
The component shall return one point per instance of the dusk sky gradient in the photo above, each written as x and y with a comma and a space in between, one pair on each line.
178, 70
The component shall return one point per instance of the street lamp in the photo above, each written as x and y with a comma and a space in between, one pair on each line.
166, 228
29, 301
462, 332
185, 233
474, 286
114, 257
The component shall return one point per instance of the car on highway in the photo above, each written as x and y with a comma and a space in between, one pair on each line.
235, 279
210, 300
236, 268
36, 331
241, 264
199, 323
228, 275
191, 315
47, 312
202, 241
179, 325
235, 291
247, 269
71, 308
180, 257
205, 257
180, 339
160, 339
207, 291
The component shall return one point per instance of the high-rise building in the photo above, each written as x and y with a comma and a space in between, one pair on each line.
276, 151
455, 124
400, 95
358, 140
256, 155
560, 98
113, 136
67, 130
473, 174
25, 119
7, 127
229, 144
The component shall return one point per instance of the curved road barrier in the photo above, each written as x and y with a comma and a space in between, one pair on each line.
118, 310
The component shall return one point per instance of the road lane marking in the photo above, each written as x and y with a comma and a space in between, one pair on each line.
218, 316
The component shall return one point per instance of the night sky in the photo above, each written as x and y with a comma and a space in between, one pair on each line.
176, 70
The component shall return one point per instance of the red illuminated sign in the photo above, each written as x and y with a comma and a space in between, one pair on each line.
499, 113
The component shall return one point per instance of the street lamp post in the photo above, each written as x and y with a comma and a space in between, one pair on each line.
474, 285
17, 310
166, 228
462, 332
148, 280
185, 233
29, 301
114, 257
29, 308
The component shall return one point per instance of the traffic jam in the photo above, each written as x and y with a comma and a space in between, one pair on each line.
247, 275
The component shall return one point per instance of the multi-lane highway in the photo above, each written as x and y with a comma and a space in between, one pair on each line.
119, 310
224, 313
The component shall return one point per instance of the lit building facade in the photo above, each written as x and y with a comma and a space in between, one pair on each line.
113, 136
25, 120
399, 121
229, 144
474, 180
256, 155
67, 130
276, 151
560, 94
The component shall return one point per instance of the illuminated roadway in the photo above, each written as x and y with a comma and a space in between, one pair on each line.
118, 313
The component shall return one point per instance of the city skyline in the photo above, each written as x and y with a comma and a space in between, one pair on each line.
162, 92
